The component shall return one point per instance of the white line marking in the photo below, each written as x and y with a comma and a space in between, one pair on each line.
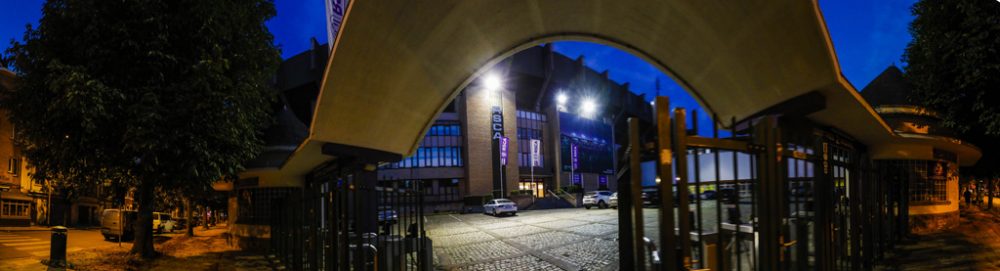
40, 253
456, 218
32, 247
32, 243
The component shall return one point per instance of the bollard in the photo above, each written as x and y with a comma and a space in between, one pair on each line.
57, 247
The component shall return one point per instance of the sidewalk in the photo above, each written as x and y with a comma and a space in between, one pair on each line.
973, 245
44, 228
207, 250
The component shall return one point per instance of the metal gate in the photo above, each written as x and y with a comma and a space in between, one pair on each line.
342, 220
794, 196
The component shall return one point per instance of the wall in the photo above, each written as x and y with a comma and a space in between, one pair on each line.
478, 140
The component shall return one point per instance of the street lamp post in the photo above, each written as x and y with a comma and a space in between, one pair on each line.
492, 83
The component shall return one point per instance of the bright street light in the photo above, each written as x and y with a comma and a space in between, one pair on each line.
492, 82
561, 98
588, 107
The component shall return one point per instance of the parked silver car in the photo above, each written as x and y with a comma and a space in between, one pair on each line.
500, 206
613, 201
596, 198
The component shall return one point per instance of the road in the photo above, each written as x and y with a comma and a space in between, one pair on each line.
35, 244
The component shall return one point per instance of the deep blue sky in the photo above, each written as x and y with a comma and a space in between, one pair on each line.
867, 36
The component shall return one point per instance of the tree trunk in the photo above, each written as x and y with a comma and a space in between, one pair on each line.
143, 243
189, 215
992, 184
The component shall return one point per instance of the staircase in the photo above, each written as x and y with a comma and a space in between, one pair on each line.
551, 201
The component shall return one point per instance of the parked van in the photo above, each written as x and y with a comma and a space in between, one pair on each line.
161, 222
118, 224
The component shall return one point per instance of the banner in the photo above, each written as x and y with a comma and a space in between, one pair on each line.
574, 155
503, 151
602, 180
335, 10
536, 153
578, 179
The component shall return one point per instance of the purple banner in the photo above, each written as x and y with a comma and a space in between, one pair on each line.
574, 154
577, 179
503, 151
602, 180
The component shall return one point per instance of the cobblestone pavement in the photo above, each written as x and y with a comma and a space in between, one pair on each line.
560, 239
973, 245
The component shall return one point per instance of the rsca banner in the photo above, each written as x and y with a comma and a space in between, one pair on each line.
335, 10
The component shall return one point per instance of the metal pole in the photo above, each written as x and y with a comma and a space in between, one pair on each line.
635, 176
668, 239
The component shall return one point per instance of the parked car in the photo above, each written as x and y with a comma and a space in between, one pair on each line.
708, 194
387, 216
596, 198
613, 201
728, 196
500, 206
118, 224
651, 196
160, 221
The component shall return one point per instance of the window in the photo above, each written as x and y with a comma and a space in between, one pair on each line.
441, 147
529, 126
15, 208
14, 166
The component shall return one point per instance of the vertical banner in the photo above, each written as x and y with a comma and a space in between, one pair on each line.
578, 179
503, 151
335, 10
574, 155
536, 153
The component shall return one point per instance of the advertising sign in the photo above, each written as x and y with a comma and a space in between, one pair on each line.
536, 153
503, 151
575, 156
335, 10
590, 140
578, 179
602, 180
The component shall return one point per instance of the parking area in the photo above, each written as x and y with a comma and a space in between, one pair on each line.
570, 239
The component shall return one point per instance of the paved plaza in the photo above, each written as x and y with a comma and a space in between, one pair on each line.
570, 239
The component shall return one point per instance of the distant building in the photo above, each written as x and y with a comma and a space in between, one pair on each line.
456, 159
25, 201
930, 172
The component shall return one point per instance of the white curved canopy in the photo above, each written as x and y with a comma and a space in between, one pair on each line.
397, 63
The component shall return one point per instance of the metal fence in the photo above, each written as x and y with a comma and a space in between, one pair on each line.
799, 196
323, 227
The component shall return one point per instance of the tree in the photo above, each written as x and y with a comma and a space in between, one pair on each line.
170, 93
953, 63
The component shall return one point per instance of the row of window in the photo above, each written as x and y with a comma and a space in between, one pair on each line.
15, 208
441, 147
431, 157
521, 114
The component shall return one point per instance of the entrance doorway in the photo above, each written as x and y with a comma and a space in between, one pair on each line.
537, 187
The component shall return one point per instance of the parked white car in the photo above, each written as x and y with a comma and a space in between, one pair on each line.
613, 201
500, 206
597, 198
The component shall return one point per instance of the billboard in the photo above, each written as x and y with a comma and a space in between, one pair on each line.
585, 144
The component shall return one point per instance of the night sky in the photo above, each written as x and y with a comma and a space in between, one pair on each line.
867, 36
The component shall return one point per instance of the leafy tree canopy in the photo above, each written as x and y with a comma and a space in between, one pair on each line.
953, 63
165, 92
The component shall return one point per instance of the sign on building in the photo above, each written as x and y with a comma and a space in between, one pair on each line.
536, 153
578, 179
503, 151
574, 156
